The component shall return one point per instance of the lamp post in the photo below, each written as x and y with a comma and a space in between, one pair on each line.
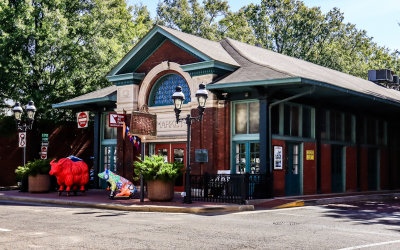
23, 126
178, 97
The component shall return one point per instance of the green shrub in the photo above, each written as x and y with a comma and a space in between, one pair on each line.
154, 168
33, 168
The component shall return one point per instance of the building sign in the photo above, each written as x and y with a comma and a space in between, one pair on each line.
201, 155
143, 124
309, 155
278, 157
82, 119
22, 139
116, 120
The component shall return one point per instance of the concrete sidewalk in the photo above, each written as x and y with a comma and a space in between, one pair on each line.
322, 199
98, 198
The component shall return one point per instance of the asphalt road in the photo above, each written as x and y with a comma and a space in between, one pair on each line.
370, 225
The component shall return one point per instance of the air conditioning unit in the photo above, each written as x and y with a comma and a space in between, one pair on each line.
380, 75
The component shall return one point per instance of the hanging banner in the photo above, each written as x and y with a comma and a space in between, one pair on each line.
82, 119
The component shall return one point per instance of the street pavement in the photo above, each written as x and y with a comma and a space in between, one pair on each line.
346, 225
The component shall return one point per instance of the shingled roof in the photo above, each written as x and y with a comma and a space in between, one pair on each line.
261, 64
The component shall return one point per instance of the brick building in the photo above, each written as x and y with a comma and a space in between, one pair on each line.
307, 128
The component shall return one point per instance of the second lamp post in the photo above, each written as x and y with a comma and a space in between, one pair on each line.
178, 97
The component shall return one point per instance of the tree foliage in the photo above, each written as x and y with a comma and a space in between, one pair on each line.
285, 26
53, 50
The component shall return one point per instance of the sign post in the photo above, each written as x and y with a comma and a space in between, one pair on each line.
82, 119
22, 143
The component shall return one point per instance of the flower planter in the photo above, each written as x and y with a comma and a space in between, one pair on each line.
158, 190
39, 183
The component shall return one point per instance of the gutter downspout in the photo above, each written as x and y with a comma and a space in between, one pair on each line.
308, 92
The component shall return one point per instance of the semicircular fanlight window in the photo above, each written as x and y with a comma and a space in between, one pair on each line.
162, 91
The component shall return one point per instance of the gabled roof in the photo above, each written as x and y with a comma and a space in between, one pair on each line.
203, 49
262, 64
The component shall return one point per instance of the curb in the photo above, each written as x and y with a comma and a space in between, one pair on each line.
299, 203
136, 208
326, 201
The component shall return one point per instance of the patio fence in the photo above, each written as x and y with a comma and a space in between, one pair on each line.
229, 188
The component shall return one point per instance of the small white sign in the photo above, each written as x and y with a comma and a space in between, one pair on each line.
83, 119
22, 139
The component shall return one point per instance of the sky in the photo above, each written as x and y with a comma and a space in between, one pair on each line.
379, 18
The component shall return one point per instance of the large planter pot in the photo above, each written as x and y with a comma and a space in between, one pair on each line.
39, 183
158, 190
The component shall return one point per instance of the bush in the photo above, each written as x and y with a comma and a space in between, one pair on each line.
33, 168
154, 168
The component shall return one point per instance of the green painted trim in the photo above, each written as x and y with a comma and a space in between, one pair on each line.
109, 98
208, 65
281, 119
300, 119
108, 142
134, 50
301, 161
127, 76
246, 137
283, 81
313, 123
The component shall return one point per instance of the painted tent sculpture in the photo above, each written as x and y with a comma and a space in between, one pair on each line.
118, 184
72, 174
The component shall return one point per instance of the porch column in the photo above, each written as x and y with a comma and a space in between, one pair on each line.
264, 139
96, 147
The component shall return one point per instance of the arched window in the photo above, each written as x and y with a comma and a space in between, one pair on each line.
163, 89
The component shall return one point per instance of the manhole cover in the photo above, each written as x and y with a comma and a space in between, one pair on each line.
290, 223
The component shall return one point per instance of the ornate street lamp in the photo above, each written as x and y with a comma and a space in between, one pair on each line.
178, 97
23, 126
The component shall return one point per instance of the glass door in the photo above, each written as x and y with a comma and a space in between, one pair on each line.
292, 169
246, 157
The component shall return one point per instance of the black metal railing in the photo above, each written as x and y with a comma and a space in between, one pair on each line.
229, 188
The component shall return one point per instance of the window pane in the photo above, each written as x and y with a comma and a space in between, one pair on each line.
275, 119
240, 158
164, 153
165, 87
241, 118
254, 158
286, 120
347, 128
306, 122
254, 113
109, 132
178, 155
322, 121
295, 121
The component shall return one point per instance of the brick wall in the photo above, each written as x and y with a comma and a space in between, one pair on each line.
279, 175
309, 169
326, 182
364, 169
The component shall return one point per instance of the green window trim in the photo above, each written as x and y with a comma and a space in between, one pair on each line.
164, 87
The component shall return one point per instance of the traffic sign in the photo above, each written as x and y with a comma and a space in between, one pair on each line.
43, 156
22, 139
116, 120
82, 119
44, 149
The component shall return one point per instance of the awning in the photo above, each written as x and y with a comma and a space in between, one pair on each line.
105, 97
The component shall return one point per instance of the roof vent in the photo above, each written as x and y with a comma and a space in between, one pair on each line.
380, 76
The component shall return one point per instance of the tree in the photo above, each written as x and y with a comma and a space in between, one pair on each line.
213, 20
289, 27
53, 50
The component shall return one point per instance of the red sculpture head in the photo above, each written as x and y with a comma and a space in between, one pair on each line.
56, 167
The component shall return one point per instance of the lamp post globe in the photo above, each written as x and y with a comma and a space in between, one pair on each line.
178, 97
202, 95
17, 110
30, 110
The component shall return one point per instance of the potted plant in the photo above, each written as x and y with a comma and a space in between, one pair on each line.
37, 173
159, 175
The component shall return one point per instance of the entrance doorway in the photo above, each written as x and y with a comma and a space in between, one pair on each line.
174, 152
337, 169
292, 169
